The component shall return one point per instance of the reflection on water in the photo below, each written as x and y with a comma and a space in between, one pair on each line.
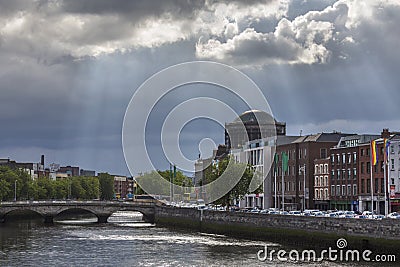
124, 241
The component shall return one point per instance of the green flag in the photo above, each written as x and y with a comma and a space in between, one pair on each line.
276, 159
285, 160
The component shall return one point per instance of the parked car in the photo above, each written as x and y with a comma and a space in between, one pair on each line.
295, 212
394, 215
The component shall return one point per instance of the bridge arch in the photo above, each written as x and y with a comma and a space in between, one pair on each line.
25, 212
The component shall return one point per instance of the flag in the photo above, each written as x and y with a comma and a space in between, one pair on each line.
374, 155
285, 160
386, 145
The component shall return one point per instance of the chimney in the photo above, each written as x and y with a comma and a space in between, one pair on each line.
385, 133
42, 160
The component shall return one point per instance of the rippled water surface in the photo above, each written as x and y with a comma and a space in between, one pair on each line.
124, 241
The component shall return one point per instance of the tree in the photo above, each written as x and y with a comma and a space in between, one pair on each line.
235, 170
5, 189
106, 182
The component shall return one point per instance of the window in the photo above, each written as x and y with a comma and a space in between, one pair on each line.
332, 190
338, 174
325, 168
316, 194
332, 159
316, 181
392, 149
368, 187
343, 190
376, 186
344, 174
326, 193
321, 194
300, 153
354, 157
305, 152
354, 190
362, 167
368, 167
349, 190
323, 153
392, 181
321, 168
392, 164
362, 152
326, 180
316, 169
343, 158
349, 158
382, 185
333, 174
355, 173
337, 158
368, 151
362, 186
321, 181
338, 190
348, 173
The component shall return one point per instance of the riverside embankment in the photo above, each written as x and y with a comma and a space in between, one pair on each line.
311, 232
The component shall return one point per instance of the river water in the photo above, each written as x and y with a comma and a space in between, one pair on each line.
125, 241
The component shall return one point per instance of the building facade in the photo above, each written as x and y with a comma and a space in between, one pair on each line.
252, 125
299, 188
344, 174
321, 183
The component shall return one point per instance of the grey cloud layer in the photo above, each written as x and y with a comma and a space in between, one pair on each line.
69, 68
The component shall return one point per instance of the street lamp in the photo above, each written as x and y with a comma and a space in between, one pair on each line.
303, 169
15, 190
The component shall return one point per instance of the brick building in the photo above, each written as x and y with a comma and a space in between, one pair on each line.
344, 174
321, 183
302, 152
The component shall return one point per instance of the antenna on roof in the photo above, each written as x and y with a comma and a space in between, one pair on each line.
301, 132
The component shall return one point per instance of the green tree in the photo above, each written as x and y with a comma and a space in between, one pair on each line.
241, 188
106, 182
5, 189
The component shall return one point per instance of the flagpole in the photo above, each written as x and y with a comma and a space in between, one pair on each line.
283, 186
372, 186
276, 195
385, 175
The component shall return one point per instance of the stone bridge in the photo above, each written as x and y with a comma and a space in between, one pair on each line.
102, 209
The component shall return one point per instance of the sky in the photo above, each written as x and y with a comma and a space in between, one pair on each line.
68, 70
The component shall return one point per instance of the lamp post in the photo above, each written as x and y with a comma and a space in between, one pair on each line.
15, 190
303, 169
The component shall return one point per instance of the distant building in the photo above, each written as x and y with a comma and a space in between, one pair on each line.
252, 125
71, 171
123, 186
33, 169
87, 173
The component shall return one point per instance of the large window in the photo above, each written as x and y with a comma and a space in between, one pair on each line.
349, 190
343, 190
332, 190
354, 190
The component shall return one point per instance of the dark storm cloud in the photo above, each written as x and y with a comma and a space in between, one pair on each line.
69, 68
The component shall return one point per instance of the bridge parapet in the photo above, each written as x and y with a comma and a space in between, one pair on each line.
102, 209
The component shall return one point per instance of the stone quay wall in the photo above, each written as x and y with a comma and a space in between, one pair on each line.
380, 235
